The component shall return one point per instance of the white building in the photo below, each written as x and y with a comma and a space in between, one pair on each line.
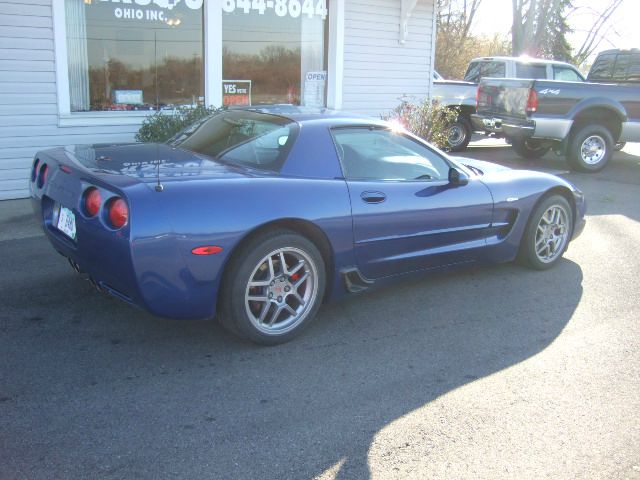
88, 71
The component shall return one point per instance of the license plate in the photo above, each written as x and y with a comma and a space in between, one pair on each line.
67, 222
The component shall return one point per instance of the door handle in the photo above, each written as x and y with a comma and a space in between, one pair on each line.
373, 197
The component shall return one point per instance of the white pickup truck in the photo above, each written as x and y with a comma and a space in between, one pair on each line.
462, 94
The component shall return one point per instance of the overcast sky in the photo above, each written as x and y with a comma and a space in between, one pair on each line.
495, 16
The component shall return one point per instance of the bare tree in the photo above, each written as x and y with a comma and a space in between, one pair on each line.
456, 45
600, 29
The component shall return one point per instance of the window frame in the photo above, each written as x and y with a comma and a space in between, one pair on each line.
404, 134
212, 56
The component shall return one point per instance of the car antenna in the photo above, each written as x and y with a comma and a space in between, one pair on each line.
159, 186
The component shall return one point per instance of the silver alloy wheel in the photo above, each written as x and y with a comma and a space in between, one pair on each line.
281, 291
552, 234
593, 149
456, 135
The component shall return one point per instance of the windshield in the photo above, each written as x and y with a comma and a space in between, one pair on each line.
252, 139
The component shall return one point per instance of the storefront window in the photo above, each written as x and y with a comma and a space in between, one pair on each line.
274, 52
134, 55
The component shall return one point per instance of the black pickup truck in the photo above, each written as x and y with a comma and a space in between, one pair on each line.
583, 121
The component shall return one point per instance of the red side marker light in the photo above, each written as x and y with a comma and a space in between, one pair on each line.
65, 169
206, 250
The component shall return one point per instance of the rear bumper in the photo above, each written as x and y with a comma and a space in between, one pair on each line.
538, 127
496, 125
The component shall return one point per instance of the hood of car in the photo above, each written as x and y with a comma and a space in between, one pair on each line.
480, 167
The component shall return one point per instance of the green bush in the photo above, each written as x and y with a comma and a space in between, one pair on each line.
163, 125
426, 119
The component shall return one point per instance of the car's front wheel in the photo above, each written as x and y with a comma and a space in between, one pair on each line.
547, 234
273, 288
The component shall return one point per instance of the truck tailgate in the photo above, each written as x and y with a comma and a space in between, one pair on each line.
504, 98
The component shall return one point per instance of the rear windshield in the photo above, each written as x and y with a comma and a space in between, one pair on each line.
529, 70
478, 70
602, 69
241, 137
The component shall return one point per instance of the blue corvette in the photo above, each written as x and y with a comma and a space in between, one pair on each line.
257, 216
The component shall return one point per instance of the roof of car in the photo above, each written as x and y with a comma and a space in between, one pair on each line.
301, 114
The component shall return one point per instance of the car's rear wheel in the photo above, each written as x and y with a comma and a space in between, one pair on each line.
590, 149
528, 148
273, 288
547, 234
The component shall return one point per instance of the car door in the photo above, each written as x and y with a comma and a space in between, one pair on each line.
407, 216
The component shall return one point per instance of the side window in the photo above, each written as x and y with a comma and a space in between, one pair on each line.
529, 70
566, 74
380, 154
602, 69
473, 73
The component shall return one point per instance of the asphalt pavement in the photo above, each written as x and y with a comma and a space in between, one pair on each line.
488, 373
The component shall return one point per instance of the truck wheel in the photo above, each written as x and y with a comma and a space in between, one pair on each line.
590, 148
528, 148
459, 135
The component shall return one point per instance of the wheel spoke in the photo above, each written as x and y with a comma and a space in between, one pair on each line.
264, 312
272, 272
290, 309
274, 316
283, 264
299, 299
301, 280
297, 267
540, 250
259, 283
255, 298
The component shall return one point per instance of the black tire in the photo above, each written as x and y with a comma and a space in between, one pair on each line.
459, 135
590, 148
528, 148
533, 240
619, 146
239, 314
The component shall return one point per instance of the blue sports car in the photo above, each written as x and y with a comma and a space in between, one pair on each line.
257, 216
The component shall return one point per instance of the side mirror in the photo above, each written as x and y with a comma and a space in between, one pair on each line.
457, 178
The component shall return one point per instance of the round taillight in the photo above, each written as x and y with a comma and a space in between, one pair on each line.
118, 212
92, 201
42, 176
34, 170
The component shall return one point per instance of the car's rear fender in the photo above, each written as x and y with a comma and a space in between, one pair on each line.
224, 213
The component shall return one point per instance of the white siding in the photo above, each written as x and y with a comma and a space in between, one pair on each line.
378, 70
28, 99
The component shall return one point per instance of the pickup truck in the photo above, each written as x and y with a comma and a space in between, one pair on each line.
462, 94
582, 121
